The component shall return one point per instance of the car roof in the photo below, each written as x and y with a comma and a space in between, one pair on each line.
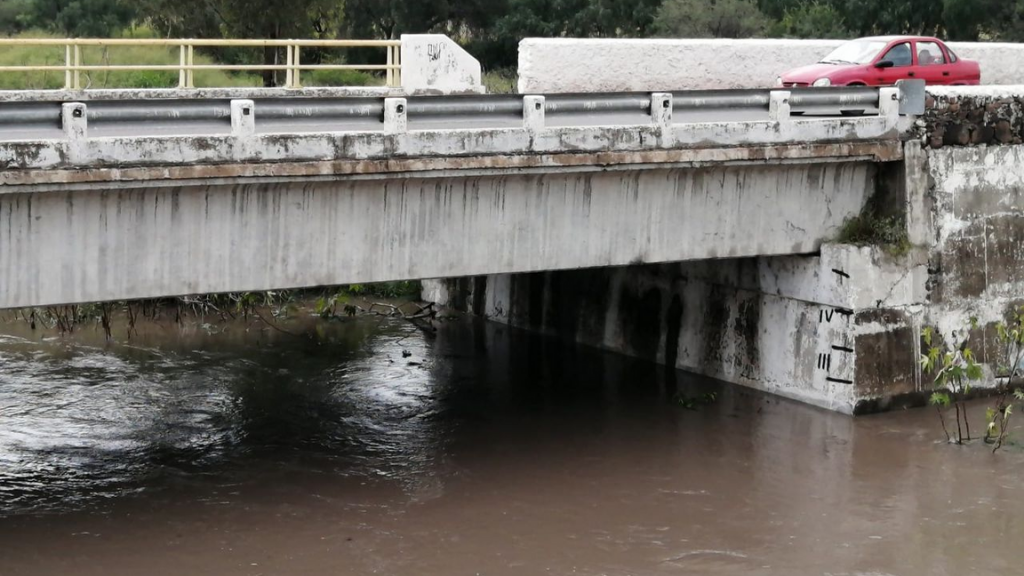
891, 38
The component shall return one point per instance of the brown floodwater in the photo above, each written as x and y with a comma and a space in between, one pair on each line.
368, 447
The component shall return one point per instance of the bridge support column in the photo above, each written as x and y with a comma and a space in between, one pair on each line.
396, 116
533, 112
243, 118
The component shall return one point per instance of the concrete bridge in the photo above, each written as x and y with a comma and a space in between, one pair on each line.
690, 228
144, 199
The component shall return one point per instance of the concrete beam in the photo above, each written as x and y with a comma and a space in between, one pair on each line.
397, 143
129, 242
21, 181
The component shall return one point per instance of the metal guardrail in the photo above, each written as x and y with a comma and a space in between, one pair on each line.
135, 117
74, 66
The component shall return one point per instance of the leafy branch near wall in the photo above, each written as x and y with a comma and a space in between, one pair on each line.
954, 370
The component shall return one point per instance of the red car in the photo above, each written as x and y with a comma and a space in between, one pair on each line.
882, 60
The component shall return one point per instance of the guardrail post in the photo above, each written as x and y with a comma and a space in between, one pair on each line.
533, 112
889, 102
778, 106
396, 116
243, 118
74, 121
661, 109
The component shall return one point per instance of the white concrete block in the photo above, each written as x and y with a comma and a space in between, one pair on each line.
889, 102
396, 116
435, 62
533, 112
74, 120
661, 109
243, 118
778, 106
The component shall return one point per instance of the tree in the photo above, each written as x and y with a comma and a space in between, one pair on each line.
15, 15
711, 19
811, 20
82, 18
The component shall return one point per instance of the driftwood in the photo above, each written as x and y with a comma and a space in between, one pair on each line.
421, 317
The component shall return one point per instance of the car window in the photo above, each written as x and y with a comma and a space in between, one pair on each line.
929, 54
900, 55
855, 52
952, 57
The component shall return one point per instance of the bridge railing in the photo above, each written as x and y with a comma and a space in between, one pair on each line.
279, 115
74, 64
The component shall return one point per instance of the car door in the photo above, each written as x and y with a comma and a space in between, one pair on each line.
901, 55
932, 63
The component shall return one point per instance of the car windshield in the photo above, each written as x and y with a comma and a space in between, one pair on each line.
856, 52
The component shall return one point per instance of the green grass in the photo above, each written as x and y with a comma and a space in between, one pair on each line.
503, 81
340, 78
114, 55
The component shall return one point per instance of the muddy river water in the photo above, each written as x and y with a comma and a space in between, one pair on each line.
368, 447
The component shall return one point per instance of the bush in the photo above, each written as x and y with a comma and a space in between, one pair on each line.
869, 229
504, 81
340, 78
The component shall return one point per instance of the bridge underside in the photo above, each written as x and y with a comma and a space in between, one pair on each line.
131, 240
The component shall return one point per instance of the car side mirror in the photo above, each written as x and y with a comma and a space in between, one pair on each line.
884, 64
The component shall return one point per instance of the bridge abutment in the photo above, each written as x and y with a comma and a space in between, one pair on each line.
841, 328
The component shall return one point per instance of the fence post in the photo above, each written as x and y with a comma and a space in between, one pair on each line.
533, 112
67, 66
182, 62
190, 77
390, 74
78, 62
296, 62
778, 106
396, 116
396, 76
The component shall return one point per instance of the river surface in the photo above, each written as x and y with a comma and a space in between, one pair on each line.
369, 447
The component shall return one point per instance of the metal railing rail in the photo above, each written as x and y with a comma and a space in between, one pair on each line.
73, 64
142, 117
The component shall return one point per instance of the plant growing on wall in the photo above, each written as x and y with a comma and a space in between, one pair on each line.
1011, 336
954, 371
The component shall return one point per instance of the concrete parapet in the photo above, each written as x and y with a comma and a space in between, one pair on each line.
434, 62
